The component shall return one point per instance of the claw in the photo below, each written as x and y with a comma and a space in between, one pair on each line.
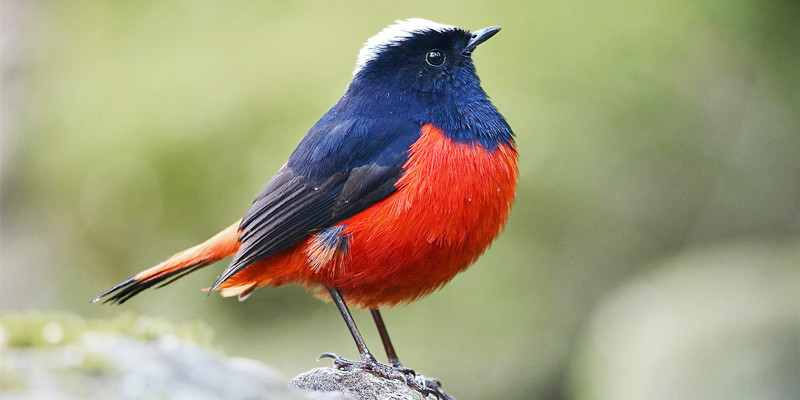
405, 371
435, 388
425, 386
343, 363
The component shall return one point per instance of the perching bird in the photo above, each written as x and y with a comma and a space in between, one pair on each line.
396, 189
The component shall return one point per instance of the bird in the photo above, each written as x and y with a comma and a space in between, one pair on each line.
400, 186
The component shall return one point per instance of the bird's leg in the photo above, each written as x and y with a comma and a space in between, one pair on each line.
387, 343
431, 384
368, 361
363, 351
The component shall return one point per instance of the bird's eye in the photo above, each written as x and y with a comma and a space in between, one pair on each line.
435, 57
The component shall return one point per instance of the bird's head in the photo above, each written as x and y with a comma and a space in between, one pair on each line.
420, 56
421, 72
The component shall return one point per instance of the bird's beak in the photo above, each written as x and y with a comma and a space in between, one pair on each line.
479, 37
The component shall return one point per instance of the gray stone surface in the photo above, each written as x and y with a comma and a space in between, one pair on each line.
356, 384
110, 366
63, 356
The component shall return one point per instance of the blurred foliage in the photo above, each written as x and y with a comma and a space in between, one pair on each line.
662, 336
132, 130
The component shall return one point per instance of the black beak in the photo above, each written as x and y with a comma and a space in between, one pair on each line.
479, 37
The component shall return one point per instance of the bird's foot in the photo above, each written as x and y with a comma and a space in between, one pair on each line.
420, 383
433, 386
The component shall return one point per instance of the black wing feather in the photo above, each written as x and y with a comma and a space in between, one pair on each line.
280, 217
299, 201
284, 214
364, 187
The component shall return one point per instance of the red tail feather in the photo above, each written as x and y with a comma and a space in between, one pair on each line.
221, 245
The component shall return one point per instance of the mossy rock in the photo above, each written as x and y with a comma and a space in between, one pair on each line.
63, 356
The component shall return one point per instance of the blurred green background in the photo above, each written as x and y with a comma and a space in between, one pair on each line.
653, 252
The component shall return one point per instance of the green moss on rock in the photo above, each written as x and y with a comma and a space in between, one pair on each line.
42, 329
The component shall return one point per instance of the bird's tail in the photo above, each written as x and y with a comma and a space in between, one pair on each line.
221, 245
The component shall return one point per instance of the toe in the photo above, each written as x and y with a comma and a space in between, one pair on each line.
327, 355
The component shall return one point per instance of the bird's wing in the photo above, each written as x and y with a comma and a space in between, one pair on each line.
337, 171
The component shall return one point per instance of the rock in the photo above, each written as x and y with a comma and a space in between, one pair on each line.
57, 356
356, 384
63, 356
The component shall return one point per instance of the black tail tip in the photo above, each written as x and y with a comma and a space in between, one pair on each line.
115, 298
131, 286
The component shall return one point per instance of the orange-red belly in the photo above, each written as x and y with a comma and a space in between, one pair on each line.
451, 203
